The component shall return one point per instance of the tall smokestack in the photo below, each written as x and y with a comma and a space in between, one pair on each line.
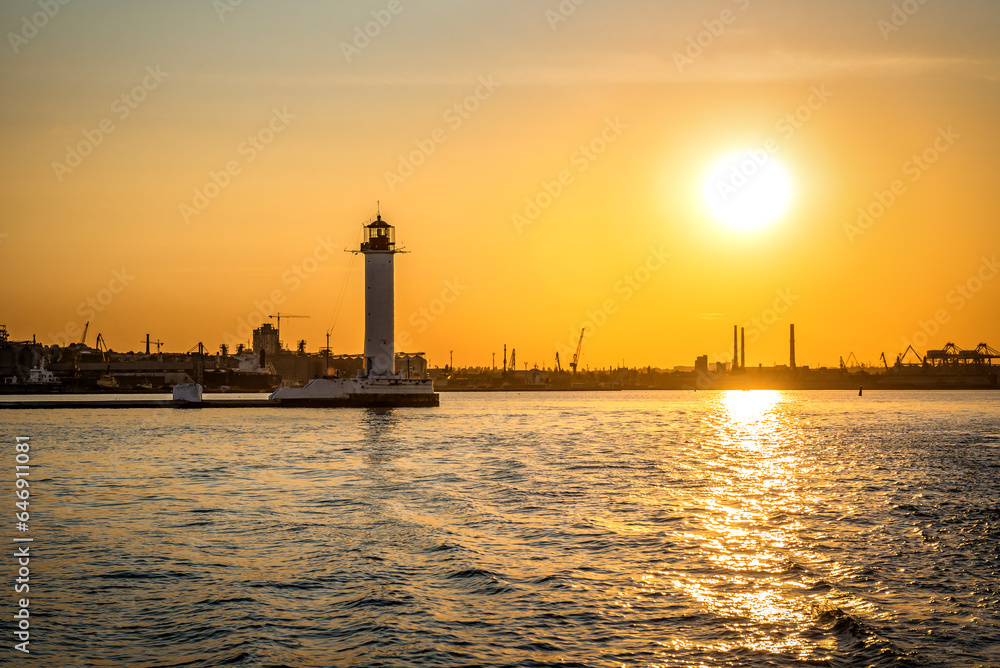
736, 347
793, 346
743, 348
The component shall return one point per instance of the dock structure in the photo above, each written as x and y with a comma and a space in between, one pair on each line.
117, 404
348, 401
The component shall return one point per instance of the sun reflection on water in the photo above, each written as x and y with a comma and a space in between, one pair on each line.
750, 409
755, 489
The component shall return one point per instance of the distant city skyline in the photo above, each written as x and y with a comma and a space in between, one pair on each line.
654, 174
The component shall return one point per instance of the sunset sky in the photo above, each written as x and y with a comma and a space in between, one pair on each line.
169, 167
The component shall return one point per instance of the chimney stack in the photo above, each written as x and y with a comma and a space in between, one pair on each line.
793, 346
743, 348
736, 347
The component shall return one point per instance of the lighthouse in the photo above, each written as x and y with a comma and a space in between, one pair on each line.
378, 385
379, 247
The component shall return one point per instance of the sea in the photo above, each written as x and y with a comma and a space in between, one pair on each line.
605, 529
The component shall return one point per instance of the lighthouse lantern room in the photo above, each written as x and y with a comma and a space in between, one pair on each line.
380, 236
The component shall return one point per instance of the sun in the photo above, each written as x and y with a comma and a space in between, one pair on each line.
748, 190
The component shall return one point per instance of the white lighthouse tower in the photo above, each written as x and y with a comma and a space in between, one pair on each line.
379, 247
378, 385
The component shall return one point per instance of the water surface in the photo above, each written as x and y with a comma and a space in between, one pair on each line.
589, 529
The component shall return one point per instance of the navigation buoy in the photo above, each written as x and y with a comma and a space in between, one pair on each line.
861, 391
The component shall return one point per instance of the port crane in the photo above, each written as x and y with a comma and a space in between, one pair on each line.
579, 348
987, 353
901, 359
102, 346
83, 339
279, 315
558, 365
159, 344
513, 365
952, 355
846, 365
199, 366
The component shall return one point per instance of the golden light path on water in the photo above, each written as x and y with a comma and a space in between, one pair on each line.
754, 472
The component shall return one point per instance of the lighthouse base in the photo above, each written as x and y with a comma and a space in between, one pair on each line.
359, 393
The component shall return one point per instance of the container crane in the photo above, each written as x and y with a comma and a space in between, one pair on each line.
579, 349
987, 354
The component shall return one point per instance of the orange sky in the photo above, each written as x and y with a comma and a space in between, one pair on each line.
291, 127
